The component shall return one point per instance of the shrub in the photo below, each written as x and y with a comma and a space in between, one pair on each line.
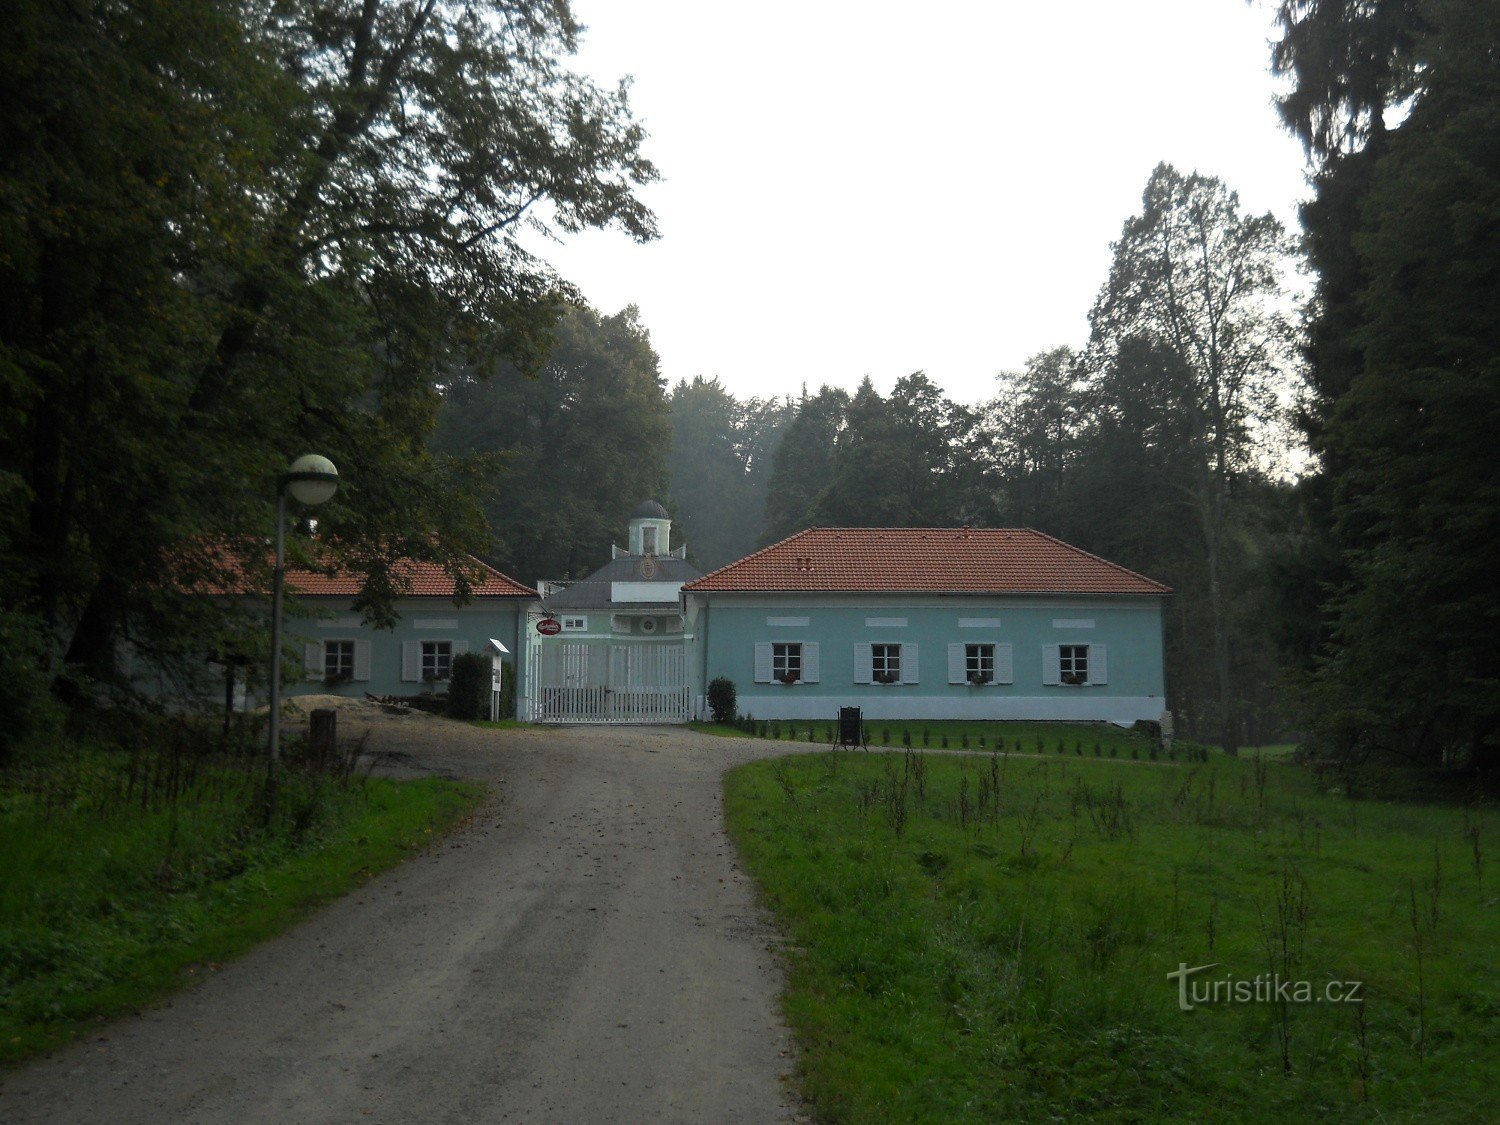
469, 686
27, 706
722, 700
906, 739
507, 691
776, 731
945, 742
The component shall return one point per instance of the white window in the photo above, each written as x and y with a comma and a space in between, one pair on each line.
648, 540
786, 662
1073, 663
979, 664
885, 664
437, 660
575, 624
776, 660
338, 660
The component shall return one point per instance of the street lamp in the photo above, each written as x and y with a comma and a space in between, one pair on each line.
311, 480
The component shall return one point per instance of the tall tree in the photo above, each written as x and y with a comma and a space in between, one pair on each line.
720, 467
1351, 65
1033, 423
259, 229
802, 464
1413, 484
574, 448
896, 461
1196, 275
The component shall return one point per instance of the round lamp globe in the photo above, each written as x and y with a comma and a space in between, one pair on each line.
312, 479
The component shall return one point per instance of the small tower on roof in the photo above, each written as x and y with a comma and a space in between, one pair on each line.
650, 529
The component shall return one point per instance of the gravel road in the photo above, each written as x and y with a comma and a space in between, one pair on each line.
586, 949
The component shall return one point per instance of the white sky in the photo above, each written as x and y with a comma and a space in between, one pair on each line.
855, 188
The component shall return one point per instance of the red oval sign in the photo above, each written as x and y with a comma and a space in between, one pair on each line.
549, 626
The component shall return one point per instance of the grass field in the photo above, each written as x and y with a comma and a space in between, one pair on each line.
129, 875
985, 937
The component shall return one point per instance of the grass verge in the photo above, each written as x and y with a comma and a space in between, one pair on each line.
129, 876
1104, 740
989, 938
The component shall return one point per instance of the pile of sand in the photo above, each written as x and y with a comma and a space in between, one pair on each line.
357, 710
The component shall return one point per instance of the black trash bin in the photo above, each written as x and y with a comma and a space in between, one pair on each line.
851, 727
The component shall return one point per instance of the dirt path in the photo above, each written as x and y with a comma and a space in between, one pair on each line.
586, 950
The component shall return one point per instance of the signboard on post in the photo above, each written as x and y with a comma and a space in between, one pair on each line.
549, 626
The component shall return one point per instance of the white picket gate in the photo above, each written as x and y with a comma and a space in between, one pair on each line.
583, 683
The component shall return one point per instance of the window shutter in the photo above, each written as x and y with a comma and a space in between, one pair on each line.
411, 661
958, 666
909, 668
460, 646
361, 660
313, 660
1005, 671
1051, 665
862, 667
1098, 665
810, 663
763, 662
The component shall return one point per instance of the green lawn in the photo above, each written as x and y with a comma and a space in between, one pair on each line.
988, 938
127, 876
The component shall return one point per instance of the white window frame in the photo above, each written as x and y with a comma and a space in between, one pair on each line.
885, 659
347, 645
979, 659
786, 657
1073, 665
434, 657
649, 535
575, 624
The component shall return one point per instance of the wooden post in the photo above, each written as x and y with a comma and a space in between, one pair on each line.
322, 734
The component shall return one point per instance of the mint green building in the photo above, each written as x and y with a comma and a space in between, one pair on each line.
614, 647
929, 623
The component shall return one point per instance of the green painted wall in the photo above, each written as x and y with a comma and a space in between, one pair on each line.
729, 626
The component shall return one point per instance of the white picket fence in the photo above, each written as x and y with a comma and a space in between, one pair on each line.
583, 683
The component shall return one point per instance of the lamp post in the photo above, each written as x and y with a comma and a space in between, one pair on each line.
311, 480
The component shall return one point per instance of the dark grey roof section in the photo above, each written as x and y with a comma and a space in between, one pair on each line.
649, 510
593, 592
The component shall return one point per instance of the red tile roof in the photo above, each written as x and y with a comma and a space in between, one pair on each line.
926, 560
410, 577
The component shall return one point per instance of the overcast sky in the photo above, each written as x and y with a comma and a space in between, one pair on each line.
855, 188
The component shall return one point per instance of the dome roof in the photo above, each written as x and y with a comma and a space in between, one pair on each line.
649, 510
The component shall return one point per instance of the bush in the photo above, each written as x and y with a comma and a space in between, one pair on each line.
507, 691
722, 700
469, 687
28, 710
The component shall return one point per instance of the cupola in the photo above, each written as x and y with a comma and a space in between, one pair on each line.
650, 529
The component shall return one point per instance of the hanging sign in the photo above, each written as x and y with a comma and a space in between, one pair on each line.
549, 626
